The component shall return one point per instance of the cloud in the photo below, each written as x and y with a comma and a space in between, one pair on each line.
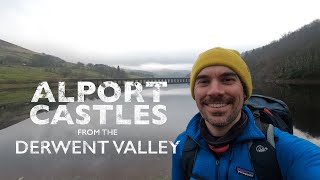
102, 30
157, 67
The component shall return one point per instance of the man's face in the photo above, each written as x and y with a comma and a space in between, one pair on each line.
219, 96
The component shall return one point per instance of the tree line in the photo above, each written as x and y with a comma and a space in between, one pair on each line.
294, 56
67, 70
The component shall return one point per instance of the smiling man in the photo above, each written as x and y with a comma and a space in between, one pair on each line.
215, 144
219, 96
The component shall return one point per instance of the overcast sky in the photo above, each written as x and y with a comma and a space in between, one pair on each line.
148, 34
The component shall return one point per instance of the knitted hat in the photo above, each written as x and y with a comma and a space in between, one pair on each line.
224, 57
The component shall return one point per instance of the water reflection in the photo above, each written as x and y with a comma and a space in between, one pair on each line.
303, 102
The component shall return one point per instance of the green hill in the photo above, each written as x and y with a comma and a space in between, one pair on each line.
11, 52
295, 56
19, 64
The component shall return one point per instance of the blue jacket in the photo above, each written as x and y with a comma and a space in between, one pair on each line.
297, 158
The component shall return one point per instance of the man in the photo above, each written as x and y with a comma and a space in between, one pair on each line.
220, 83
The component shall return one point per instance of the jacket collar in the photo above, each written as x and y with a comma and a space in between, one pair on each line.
251, 131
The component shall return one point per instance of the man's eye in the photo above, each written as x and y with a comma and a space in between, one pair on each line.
228, 80
203, 81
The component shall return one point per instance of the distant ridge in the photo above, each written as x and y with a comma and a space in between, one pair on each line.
12, 52
10, 46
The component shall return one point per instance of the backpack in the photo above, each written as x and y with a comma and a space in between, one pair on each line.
268, 113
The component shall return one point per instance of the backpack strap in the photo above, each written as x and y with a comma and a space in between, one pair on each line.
189, 155
263, 153
267, 129
270, 135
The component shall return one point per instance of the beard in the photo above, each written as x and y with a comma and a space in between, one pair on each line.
216, 119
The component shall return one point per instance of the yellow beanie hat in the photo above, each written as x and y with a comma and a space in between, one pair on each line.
224, 57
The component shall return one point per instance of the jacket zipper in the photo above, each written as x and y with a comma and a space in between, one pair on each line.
229, 162
217, 167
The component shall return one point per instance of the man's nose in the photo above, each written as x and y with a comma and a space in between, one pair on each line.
215, 88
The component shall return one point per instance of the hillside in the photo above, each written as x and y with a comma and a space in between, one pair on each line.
172, 73
11, 52
140, 73
11, 47
21, 70
295, 56
19, 64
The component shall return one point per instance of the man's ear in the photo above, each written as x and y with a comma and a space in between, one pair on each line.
244, 96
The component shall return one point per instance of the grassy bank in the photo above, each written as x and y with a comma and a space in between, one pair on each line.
16, 96
16, 74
